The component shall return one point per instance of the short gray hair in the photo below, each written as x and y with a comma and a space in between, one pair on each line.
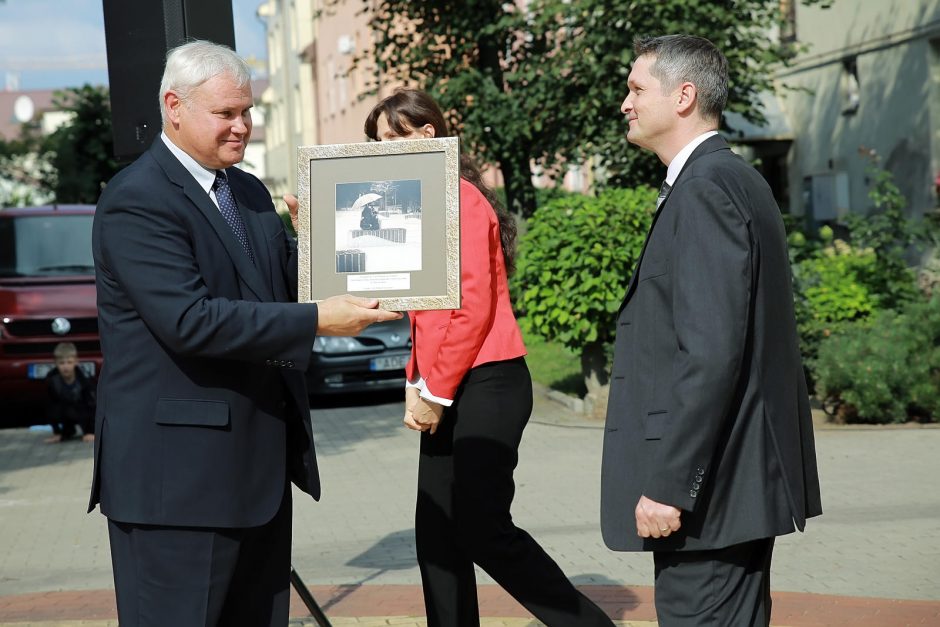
686, 58
190, 65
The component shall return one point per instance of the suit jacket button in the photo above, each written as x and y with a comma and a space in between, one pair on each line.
290, 364
696, 485
693, 493
700, 471
267, 362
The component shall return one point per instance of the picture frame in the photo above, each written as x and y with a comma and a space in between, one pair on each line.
381, 220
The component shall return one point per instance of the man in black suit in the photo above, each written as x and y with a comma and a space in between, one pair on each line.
203, 418
708, 452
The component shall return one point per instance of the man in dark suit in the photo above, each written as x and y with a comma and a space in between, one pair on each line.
203, 418
708, 452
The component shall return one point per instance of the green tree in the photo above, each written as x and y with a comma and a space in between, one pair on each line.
82, 147
25, 168
544, 84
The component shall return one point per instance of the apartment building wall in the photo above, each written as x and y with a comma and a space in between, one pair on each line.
315, 95
288, 102
869, 79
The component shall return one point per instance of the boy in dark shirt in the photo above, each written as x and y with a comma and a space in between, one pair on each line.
71, 399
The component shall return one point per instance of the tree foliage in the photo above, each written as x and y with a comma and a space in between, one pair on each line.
543, 84
82, 147
25, 168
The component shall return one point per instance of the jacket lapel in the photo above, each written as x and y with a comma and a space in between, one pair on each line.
178, 175
716, 142
257, 236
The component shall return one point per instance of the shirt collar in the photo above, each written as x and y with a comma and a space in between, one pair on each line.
676, 165
203, 176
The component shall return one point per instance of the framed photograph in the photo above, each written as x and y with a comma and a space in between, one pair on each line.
381, 220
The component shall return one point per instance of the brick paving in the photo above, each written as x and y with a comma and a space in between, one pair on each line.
872, 560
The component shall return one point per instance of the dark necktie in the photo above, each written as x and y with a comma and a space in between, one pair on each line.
663, 191
229, 210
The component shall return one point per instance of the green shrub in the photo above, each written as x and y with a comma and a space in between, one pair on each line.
573, 266
833, 286
884, 369
836, 283
889, 233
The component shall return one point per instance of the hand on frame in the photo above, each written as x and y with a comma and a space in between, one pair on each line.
292, 204
349, 315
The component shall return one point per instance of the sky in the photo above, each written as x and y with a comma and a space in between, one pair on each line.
53, 44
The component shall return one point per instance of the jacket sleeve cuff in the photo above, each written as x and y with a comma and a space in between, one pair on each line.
669, 492
426, 394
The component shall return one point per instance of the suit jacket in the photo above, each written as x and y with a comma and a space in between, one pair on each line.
202, 407
708, 406
447, 343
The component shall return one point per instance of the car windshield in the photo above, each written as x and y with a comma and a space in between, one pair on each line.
46, 245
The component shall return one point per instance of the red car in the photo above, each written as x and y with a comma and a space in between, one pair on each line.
47, 296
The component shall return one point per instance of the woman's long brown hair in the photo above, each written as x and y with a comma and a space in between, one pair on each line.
410, 109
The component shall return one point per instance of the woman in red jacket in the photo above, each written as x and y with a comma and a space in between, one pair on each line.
470, 394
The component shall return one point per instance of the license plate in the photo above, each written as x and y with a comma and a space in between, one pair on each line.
396, 362
39, 371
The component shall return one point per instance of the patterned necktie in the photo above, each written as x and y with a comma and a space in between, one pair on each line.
229, 210
663, 191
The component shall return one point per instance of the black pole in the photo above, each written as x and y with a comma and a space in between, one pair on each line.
308, 599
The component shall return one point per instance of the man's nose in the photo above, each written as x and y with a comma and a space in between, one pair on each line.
241, 126
627, 106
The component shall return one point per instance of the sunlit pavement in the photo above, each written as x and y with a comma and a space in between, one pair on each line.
872, 559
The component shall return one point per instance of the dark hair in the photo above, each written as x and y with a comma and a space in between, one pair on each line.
681, 58
408, 109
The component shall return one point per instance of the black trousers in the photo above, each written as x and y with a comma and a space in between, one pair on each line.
197, 577
727, 587
465, 489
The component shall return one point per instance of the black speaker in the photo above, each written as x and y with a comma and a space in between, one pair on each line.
138, 34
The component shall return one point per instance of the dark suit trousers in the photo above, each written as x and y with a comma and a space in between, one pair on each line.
727, 587
465, 489
196, 577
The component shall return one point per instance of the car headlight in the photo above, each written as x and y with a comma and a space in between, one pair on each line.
337, 345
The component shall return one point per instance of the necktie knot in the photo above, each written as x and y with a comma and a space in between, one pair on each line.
220, 180
663, 191
229, 211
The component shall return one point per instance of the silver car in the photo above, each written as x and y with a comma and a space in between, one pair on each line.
373, 360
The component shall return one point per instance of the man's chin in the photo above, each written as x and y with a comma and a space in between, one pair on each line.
635, 140
233, 157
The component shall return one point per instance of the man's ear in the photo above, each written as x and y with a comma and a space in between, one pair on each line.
686, 98
172, 104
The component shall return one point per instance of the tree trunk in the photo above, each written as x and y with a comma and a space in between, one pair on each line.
594, 366
520, 192
594, 369
514, 164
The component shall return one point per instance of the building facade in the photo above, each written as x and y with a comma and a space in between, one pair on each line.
867, 82
315, 95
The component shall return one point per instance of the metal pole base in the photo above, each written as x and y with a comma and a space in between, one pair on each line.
308, 599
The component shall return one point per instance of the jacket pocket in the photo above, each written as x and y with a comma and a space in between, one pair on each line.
652, 269
198, 413
654, 425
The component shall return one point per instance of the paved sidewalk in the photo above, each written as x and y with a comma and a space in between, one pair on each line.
401, 605
872, 559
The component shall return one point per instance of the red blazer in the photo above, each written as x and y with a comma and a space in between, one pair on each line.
447, 343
